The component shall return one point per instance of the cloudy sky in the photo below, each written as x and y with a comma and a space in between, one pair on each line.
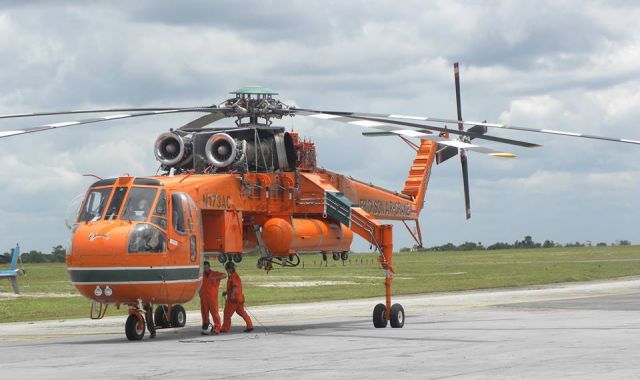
567, 65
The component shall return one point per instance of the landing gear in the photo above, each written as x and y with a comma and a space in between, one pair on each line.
224, 258
293, 261
288, 261
134, 326
178, 316
379, 317
396, 319
161, 316
344, 256
336, 256
264, 262
148, 316
397, 316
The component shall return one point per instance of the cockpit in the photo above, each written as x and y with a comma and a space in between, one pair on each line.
144, 200
138, 201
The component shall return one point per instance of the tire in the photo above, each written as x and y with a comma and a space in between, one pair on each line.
397, 316
237, 257
344, 256
161, 316
134, 328
178, 316
222, 258
336, 256
379, 320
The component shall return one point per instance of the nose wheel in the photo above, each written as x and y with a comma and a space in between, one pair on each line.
134, 326
137, 323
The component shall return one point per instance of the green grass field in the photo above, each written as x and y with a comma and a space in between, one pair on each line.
48, 294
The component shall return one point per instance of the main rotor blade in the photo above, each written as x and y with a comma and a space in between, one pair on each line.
47, 127
102, 110
386, 118
203, 121
390, 126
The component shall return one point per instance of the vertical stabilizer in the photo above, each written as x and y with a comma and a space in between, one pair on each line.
416, 184
15, 253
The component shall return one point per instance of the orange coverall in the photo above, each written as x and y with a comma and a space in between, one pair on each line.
234, 303
209, 298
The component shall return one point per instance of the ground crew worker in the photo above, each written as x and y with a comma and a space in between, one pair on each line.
234, 302
209, 299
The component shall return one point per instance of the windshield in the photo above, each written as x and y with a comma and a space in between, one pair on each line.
116, 202
94, 203
138, 205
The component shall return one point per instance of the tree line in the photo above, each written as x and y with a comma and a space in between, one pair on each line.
526, 243
57, 255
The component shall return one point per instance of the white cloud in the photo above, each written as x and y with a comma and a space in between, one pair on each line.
558, 65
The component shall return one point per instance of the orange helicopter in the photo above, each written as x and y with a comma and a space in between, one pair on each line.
141, 241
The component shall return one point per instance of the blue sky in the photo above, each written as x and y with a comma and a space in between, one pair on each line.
567, 65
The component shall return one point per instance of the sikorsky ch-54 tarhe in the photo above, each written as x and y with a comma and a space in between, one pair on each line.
139, 242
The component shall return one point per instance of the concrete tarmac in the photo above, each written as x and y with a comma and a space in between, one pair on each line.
576, 330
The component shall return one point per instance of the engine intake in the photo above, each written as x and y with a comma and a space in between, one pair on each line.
170, 148
221, 150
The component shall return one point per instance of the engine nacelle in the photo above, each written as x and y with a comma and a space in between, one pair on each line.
221, 150
311, 235
170, 149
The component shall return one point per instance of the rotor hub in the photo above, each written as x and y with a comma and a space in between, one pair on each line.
255, 102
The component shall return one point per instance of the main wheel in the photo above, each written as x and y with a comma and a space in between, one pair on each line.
161, 316
379, 320
237, 257
134, 327
344, 256
178, 316
397, 316
336, 256
222, 258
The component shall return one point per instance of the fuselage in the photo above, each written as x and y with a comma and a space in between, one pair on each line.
143, 240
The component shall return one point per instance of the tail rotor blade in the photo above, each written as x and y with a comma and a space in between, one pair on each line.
463, 155
465, 179
456, 75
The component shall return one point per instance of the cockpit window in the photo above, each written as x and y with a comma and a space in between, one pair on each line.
94, 204
116, 202
161, 207
178, 213
138, 204
160, 214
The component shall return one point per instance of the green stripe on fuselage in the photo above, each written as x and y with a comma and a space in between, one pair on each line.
133, 275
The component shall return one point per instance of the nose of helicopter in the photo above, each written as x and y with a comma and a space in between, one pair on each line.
99, 239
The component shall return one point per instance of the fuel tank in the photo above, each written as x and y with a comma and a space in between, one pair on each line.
284, 237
